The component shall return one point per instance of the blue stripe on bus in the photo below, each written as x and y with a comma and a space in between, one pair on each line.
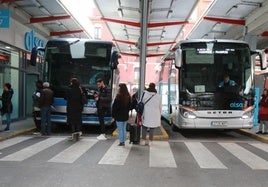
84, 118
59, 102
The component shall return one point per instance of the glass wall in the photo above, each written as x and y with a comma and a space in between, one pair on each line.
14, 69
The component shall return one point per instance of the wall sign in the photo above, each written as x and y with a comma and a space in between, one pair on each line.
31, 41
4, 18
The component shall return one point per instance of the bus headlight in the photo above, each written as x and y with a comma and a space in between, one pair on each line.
247, 115
187, 114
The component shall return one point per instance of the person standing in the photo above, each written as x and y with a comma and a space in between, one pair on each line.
151, 117
120, 112
103, 102
45, 102
36, 108
7, 106
263, 113
74, 106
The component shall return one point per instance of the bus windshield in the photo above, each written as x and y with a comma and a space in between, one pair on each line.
206, 68
60, 65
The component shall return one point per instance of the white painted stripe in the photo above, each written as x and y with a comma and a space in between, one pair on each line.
161, 155
204, 157
31, 150
261, 146
116, 155
250, 159
72, 153
13, 141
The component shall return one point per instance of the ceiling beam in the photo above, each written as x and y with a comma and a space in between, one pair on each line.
130, 23
60, 33
150, 25
137, 55
148, 44
159, 43
265, 33
48, 18
163, 24
226, 20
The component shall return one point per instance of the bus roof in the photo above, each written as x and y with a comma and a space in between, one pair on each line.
80, 40
210, 40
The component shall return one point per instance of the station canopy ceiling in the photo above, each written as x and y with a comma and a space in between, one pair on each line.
169, 21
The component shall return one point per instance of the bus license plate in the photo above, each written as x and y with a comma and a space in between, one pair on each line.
218, 123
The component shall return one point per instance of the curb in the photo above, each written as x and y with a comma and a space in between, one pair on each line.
255, 136
164, 135
16, 133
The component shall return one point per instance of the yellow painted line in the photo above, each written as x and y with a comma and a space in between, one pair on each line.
164, 135
16, 133
255, 136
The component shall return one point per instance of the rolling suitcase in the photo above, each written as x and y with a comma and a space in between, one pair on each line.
134, 134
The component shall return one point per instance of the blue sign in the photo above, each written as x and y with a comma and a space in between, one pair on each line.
4, 18
31, 41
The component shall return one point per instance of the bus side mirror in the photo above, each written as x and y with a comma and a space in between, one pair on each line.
114, 60
34, 53
263, 59
178, 58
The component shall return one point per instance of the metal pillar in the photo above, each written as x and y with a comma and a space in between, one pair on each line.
143, 35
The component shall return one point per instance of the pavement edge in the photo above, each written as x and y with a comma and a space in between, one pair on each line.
16, 133
253, 135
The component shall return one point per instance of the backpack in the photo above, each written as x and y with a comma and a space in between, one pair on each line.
140, 106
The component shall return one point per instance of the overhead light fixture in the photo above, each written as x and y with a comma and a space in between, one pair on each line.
231, 10
170, 13
120, 12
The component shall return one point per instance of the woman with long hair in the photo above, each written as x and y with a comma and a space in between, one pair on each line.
120, 112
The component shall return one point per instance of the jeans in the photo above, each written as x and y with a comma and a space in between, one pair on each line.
8, 119
45, 120
263, 124
144, 132
122, 130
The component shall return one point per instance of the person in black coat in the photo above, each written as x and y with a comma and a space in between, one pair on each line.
7, 106
74, 105
120, 112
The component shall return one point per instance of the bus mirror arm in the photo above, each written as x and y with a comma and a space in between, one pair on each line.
263, 59
34, 54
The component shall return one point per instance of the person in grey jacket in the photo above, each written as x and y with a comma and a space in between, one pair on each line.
151, 117
45, 102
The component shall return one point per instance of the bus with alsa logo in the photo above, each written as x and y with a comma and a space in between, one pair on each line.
214, 85
87, 60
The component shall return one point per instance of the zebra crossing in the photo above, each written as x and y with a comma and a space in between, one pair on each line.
160, 154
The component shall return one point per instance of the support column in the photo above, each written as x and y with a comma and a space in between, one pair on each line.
143, 40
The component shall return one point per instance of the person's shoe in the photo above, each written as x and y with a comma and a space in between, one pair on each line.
150, 143
259, 132
6, 129
80, 133
265, 133
37, 134
101, 137
121, 144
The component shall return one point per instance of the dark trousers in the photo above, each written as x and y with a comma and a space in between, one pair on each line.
101, 114
45, 121
76, 122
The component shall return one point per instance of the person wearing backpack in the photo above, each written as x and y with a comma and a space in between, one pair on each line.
151, 117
